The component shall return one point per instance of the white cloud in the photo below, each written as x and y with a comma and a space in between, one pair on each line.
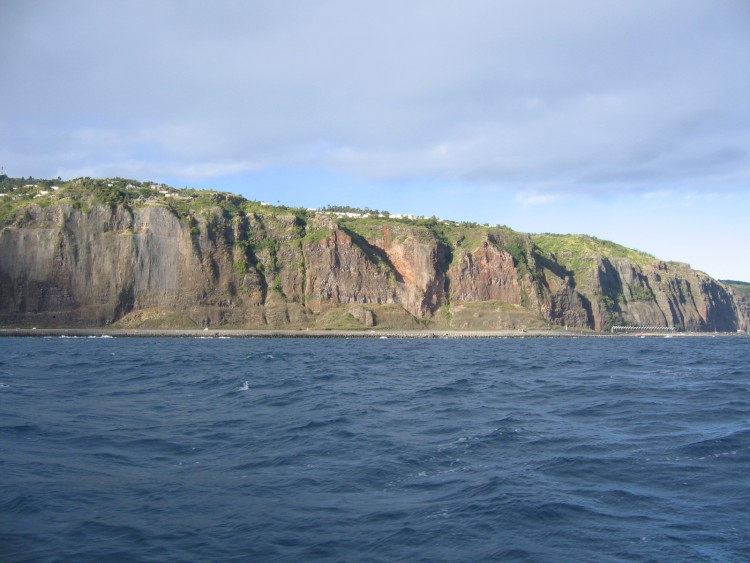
532, 198
657, 195
579, 97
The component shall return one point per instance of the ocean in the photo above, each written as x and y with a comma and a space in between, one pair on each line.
187, 449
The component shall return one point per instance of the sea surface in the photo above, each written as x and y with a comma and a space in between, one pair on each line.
621, 449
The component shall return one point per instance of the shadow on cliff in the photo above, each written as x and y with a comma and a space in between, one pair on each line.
125, 303
558, 269
374, 254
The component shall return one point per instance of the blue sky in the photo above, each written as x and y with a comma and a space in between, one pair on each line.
626, 120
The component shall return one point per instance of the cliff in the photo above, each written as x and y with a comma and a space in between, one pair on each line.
117, 252
741, 293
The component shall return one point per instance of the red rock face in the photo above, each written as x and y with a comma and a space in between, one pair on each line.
382, 271
337, 271
417, 266
486, 275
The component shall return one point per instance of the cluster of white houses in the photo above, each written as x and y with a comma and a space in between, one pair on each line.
32, 187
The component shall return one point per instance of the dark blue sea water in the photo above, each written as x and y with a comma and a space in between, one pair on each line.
374, 450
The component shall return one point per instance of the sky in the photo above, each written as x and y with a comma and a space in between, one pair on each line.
628, 120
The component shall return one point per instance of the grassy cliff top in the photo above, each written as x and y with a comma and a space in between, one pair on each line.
742, 288
577, 252
572, 251
82, 193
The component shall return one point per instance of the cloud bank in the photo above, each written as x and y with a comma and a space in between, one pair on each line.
541, 98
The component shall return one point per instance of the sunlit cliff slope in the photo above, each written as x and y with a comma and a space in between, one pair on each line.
116, 252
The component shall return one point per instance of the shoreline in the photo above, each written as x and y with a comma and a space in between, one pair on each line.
377, 334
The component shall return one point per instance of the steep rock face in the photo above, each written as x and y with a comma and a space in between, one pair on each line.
338, 271
102, 264
214, 266
489, 273
567, 307
741, 295
418, 264
346, 268
660, 295
44, 265
275, 239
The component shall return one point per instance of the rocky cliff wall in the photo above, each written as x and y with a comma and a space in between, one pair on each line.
661, 294
63, 266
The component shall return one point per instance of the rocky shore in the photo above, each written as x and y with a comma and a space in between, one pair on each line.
383, 334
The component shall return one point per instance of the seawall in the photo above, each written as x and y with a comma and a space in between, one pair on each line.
378, 334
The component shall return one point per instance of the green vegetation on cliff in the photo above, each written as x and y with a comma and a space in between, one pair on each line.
18, 193
742, 291
153, 255
578, 252
573, 251
741, 288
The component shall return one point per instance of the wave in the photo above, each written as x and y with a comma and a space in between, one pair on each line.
730, 444
356, 450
